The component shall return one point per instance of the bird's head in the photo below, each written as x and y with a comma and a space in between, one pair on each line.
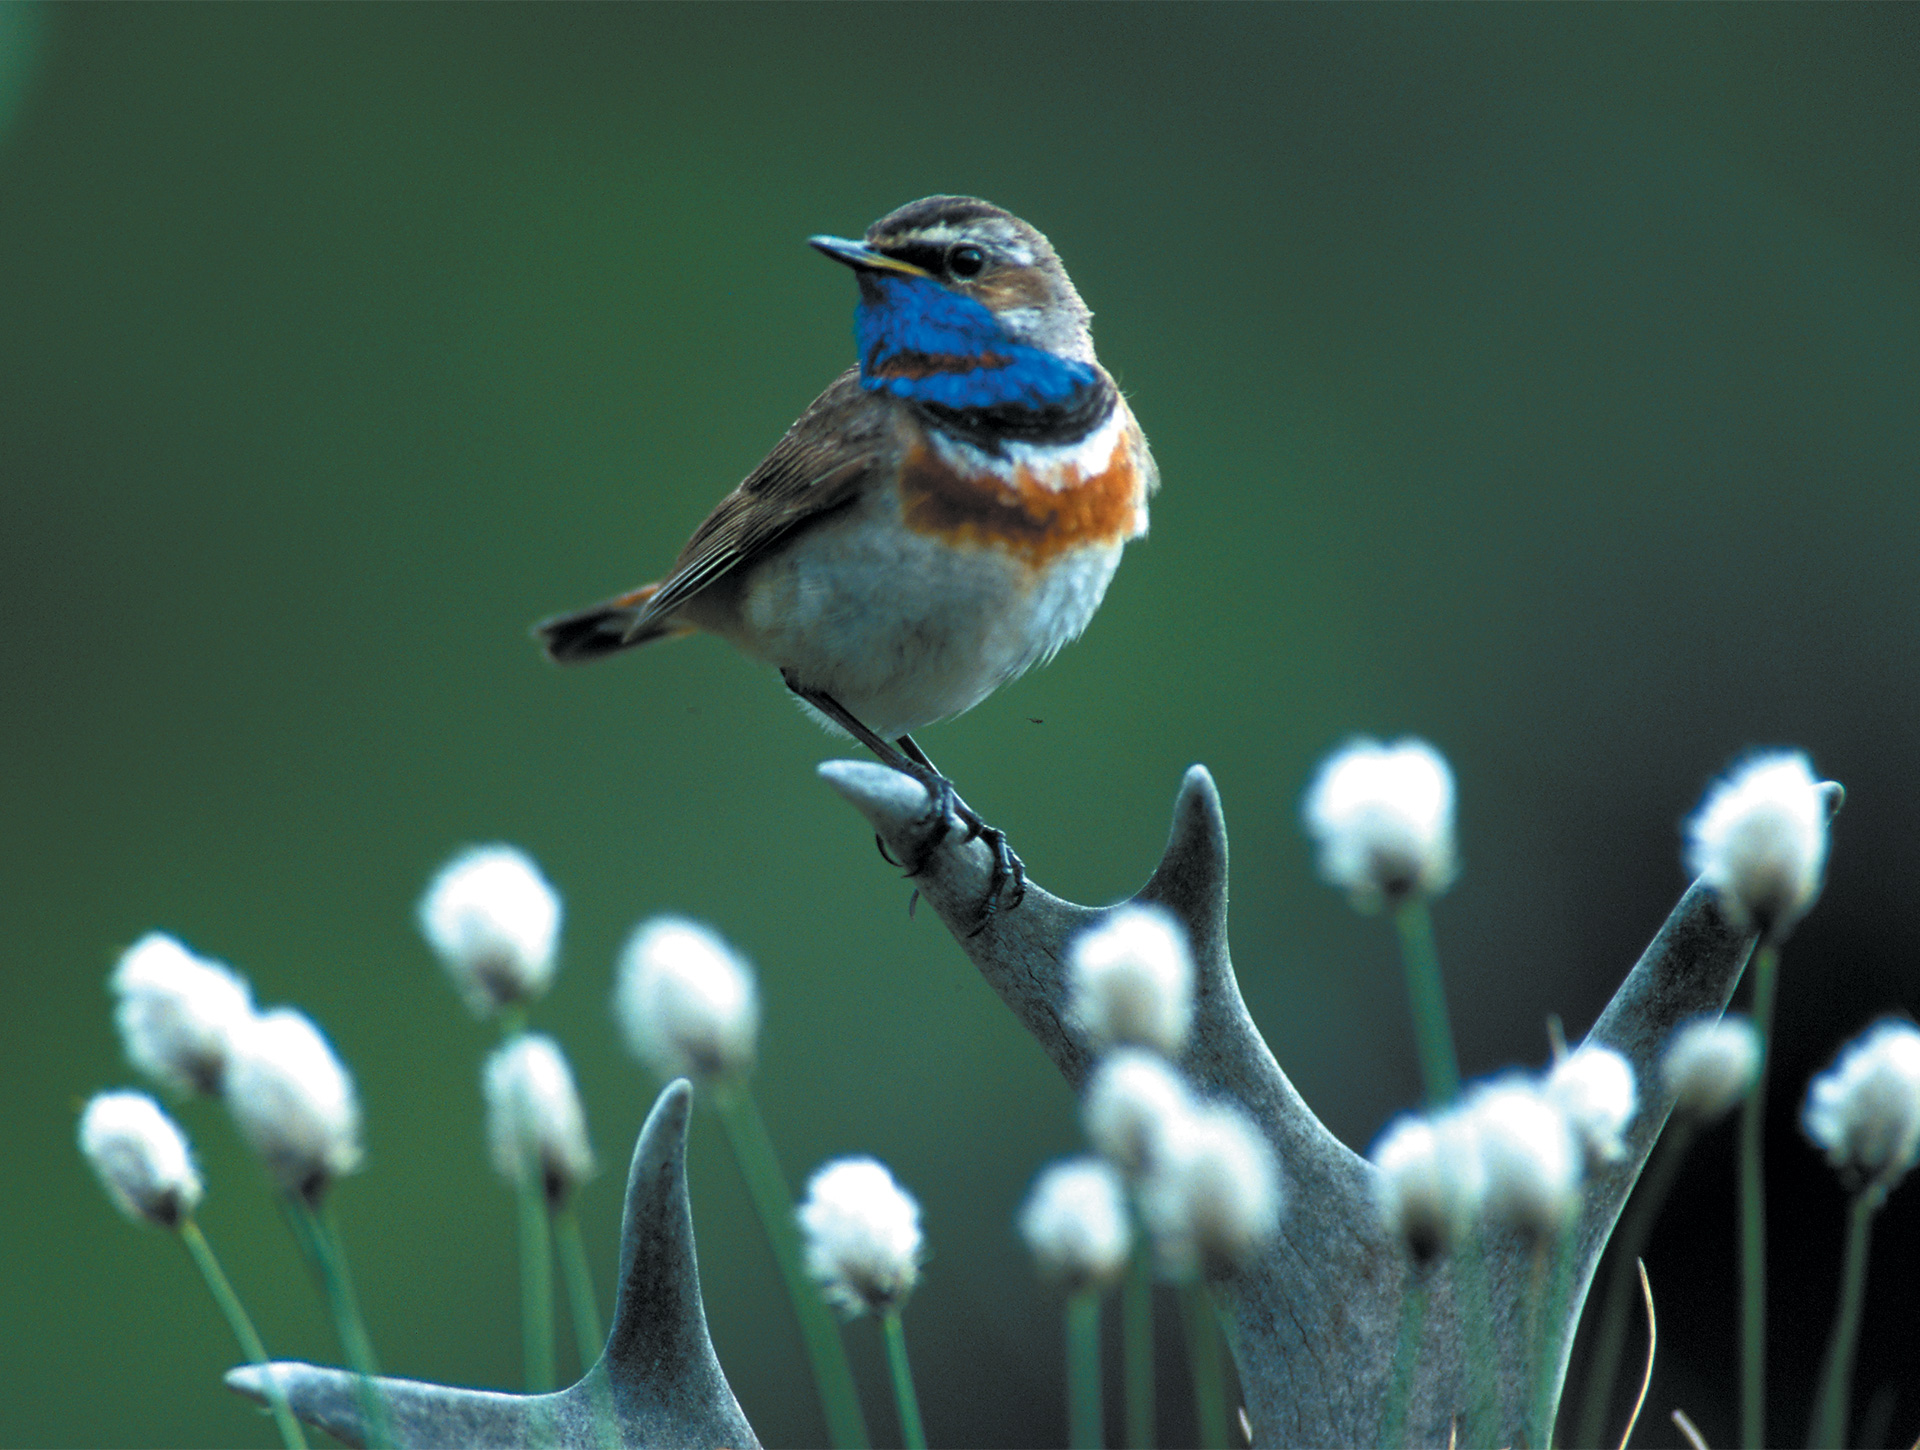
947, 283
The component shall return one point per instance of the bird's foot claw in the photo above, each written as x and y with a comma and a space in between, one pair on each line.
943, 807
1007, 887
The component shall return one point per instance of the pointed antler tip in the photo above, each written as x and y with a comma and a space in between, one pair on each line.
893, 803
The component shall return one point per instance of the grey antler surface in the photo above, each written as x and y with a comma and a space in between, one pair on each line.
1316, 1315
658, 1372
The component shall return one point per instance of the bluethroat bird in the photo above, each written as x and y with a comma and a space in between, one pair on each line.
943, 517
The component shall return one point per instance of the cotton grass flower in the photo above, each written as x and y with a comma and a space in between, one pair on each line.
1431, 1183
1382, 817
494, 922
862, 1236
1130, 982
1212, 1198
1528, 1152
1760, 840
535, 1125
141, 1158
1075, 1223
294, 1103
1864, 1111
686, 1002
1594, 1088
1709, 1065
177, 1013
1133, 1102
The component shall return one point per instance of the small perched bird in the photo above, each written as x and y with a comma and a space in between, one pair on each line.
943, 517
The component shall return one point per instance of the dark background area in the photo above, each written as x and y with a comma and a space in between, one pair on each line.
1542, 381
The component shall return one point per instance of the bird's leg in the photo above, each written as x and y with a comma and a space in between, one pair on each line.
910, 760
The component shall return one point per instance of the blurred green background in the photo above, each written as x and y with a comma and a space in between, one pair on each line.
1540, 380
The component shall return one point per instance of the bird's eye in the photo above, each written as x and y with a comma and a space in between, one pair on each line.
966, 261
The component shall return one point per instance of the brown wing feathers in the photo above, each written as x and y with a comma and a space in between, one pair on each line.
817, 466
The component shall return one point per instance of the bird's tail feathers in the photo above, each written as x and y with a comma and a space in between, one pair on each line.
605, 629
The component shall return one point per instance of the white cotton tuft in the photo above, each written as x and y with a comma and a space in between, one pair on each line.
294, 1103
1760, 840
1529, 1154
1382, 817
1431, 1183
862, 1234
1710, 1064
494, 922
1213, 1196
535, 1124
141, 1158
1594, 1088
177, 1013
1130, 982
687, 1002
1133, 1101
1075, 1222
1864, 1111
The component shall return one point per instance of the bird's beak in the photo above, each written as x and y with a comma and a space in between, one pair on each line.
863, 258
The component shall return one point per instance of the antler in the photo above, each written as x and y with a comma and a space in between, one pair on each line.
1315, 1316
658, 1374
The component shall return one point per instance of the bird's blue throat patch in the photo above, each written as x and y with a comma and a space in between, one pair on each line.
926, 345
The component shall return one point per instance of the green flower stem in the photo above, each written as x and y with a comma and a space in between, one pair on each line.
1753, 1220
1439, 1068
586, 1318
1406, 1353
760, 1168
1084, 1430
1209, 1375
1555, 1275
536, 1285
913, 1434
202, 1254
579, 1280
1475, 1305
1836, 1379
321, 1240
1138, 1324
1623, 1281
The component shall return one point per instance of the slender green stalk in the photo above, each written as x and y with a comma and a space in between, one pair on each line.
1829, 1428
579, 1280
536, 1286
319, 1237
1138, 1325
1475, 1304
913, 1434
1554, 1276
1753, 1220
586, 1319
767, 1186
1084, 1428
1209, 1375
1623, 1281
1406, 1353
202, 1254
1530, 1367
1439, 1068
